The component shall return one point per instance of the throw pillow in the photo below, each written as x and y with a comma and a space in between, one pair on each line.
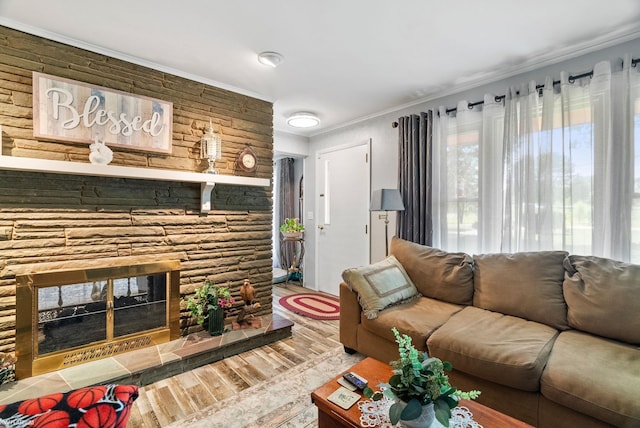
436, 273
380, 285
526, 285
603, 297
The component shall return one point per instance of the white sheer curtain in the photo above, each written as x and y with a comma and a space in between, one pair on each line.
530, 152
439, 188
613, 97
556, 167
491, 173
467, 171
631, 76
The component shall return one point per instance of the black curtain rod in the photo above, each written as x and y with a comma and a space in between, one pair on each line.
499, 98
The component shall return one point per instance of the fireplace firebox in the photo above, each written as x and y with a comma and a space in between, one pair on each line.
69, 317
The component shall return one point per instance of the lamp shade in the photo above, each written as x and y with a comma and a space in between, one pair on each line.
386, 200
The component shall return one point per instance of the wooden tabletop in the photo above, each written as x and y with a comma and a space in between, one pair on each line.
376, 372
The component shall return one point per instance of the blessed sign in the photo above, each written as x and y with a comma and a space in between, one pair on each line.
73, 111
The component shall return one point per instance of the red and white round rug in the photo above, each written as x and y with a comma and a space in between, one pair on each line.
313, 305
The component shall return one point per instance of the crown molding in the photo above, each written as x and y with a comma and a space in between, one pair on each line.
620, 35
125, 57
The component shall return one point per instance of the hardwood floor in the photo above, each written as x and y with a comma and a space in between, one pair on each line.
176, 398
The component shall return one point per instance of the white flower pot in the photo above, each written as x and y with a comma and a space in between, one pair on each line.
292, 235
425, 420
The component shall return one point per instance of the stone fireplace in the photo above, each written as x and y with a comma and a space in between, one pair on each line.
70, 317
52, 220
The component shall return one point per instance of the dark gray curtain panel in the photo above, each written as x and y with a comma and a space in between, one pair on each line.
414, 177
286, 204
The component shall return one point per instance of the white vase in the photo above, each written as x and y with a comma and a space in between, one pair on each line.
425, 419
100, 154
292, 235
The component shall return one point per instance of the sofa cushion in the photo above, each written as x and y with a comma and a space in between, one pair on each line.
436, 273
418, 319
107, 406
603, 297
595, 376
526, 285
380, 285
500, 348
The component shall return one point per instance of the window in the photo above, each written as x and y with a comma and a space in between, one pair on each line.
635, 207
462, 152
558, 170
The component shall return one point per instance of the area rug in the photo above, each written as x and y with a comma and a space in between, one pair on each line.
281, 402
313, 305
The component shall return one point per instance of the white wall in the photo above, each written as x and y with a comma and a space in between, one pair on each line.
384, 138
290, 145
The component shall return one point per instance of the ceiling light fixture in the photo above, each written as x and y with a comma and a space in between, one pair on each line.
303, 119
272, 59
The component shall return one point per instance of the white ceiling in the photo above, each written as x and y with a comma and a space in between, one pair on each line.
345, 60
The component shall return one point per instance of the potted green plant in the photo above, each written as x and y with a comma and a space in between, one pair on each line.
419, 387
208, 303
291, 228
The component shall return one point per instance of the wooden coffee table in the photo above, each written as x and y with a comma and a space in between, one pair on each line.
330, 415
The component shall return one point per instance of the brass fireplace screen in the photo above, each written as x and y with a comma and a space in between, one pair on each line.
69, 317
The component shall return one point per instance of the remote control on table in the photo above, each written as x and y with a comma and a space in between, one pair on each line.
358, 381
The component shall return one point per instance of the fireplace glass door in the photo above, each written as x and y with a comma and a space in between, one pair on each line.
75, 315
69, 317
139, 304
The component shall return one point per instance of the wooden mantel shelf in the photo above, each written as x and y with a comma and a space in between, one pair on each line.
207, 181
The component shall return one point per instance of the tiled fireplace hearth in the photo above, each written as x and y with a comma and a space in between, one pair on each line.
70, 317
151, 364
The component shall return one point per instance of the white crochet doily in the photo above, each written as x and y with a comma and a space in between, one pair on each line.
375, 414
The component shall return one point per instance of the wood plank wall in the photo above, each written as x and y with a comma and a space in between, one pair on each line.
50, 221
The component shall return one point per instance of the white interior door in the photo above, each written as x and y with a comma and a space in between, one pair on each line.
343, 183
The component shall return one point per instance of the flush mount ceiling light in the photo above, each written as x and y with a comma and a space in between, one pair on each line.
272, 59
303, 119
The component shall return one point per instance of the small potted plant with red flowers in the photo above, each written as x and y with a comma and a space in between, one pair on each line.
208, 304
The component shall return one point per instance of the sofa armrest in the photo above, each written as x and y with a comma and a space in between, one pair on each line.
349, 317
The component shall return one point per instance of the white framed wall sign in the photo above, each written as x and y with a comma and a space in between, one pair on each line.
68, 110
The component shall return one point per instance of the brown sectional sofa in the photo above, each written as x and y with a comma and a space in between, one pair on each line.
549, 338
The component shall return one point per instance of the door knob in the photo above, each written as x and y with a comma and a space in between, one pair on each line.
321, 226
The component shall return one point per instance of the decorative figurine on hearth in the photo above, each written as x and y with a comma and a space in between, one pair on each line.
248, 294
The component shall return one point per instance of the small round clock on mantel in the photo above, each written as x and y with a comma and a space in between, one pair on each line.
247, 160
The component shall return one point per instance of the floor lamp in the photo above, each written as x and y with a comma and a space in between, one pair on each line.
386, 200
